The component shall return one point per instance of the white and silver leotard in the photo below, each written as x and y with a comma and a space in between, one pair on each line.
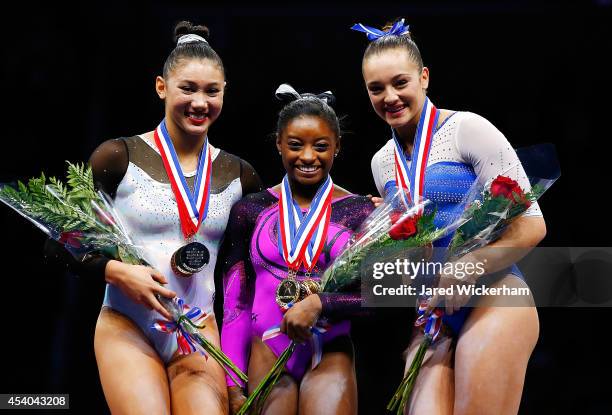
147, 204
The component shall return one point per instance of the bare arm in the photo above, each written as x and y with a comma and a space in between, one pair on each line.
523, 234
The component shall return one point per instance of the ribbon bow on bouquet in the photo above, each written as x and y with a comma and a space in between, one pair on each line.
316, 340
432, 321
185, 341
397, 29
188, 337
86, 222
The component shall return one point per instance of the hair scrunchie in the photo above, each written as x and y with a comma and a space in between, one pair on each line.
398, 29
286, 93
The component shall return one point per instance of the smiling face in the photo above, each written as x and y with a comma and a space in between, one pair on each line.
193, 95
307, 145
396, 87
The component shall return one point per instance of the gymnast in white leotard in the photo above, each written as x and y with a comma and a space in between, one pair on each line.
140, 369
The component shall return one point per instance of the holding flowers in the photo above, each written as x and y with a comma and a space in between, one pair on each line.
439, 155
279, 241
174, 190
485, 219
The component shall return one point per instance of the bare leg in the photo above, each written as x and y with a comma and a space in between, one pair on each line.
197, 385
331, 388
492, 355
132, 374
283, 399
433, 391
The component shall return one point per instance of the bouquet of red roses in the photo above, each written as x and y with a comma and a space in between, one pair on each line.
392, 231
487, 217
490, 209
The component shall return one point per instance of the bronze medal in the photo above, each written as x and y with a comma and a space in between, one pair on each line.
311, 286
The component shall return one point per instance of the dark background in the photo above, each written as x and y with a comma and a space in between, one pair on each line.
75, 76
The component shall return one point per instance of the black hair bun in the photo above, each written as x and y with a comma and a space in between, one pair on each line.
185, 28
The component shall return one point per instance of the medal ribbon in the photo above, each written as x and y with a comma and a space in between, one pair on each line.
413, 179
192, 208
302, 237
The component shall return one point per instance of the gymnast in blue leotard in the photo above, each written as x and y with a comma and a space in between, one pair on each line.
485, 370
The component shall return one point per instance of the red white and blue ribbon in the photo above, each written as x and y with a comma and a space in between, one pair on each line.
192, 207
317, 343
432, 322
301, 237
413, 178
185, 343
271, 333
316, 340
397, 29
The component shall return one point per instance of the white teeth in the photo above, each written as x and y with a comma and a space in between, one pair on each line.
197, 116
307, 169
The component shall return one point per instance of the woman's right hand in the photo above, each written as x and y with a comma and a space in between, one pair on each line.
140, 284
236, 399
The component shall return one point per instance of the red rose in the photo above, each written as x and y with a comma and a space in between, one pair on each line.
395, 216
506, 187
71, 239
404, 229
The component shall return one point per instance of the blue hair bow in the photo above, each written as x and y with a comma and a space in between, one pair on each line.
398, 29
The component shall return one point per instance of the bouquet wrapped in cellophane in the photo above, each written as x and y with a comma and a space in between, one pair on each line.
489, 210
501, 200
85, 221
396, 229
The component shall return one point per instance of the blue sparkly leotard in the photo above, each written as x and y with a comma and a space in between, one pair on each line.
465, 148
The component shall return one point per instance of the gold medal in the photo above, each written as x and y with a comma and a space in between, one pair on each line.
288, 291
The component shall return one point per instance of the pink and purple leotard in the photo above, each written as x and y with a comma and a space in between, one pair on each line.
253, 269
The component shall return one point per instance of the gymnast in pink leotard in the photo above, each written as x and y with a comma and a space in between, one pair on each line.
308, 137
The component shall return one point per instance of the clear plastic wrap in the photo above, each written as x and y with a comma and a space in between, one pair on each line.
85, 221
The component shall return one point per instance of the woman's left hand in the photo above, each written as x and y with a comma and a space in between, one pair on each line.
452, 302
451, 281
299, 319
